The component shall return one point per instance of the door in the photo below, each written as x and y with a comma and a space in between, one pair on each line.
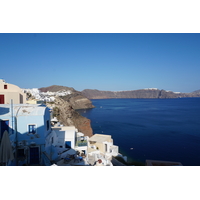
106, 147
34, 156
1, 99
67, 144
20, 99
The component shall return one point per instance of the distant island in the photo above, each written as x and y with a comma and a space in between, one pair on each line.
80, 100
141, 93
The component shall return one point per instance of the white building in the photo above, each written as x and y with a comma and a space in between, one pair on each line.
101, 148
46, 96
64, 140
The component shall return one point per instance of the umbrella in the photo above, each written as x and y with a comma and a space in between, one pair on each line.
6, 153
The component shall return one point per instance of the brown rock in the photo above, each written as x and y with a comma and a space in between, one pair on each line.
67, 116
82, 124
78, 101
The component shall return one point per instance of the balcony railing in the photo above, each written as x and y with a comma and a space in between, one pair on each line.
81, 141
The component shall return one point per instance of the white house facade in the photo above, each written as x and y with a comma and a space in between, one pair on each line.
27, 125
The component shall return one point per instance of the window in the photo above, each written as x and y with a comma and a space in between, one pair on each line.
32, 128
5, 87
47, 125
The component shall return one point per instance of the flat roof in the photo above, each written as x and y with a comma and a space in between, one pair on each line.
23, 109
63, 128
100, 138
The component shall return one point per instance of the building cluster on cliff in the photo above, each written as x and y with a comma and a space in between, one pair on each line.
45, 96
30, 135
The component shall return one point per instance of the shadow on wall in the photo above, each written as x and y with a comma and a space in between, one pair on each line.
30, 145
27, 146
4, 110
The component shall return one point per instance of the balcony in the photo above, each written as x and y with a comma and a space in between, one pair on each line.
81, 141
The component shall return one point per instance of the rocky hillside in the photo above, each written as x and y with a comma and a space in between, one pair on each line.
78, 101
56, 88
75, 98
196, 92
67, 116
143, 93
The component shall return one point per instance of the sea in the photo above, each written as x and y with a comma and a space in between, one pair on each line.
150, 129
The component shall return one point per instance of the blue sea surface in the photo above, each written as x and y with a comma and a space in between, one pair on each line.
157, 129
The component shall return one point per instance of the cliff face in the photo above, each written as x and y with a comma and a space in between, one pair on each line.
75, 98
64, 108
78, 101
143, 93
67, 116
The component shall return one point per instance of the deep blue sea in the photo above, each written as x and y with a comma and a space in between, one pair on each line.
157, 129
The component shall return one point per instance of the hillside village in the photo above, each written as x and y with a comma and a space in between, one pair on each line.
43, 129
31, 135
45, 96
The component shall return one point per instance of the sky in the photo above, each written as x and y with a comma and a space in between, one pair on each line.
103, 61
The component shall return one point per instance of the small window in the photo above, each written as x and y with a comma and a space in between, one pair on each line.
32, 128
47, 125
5, 87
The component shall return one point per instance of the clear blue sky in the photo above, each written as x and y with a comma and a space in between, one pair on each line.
114, 62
